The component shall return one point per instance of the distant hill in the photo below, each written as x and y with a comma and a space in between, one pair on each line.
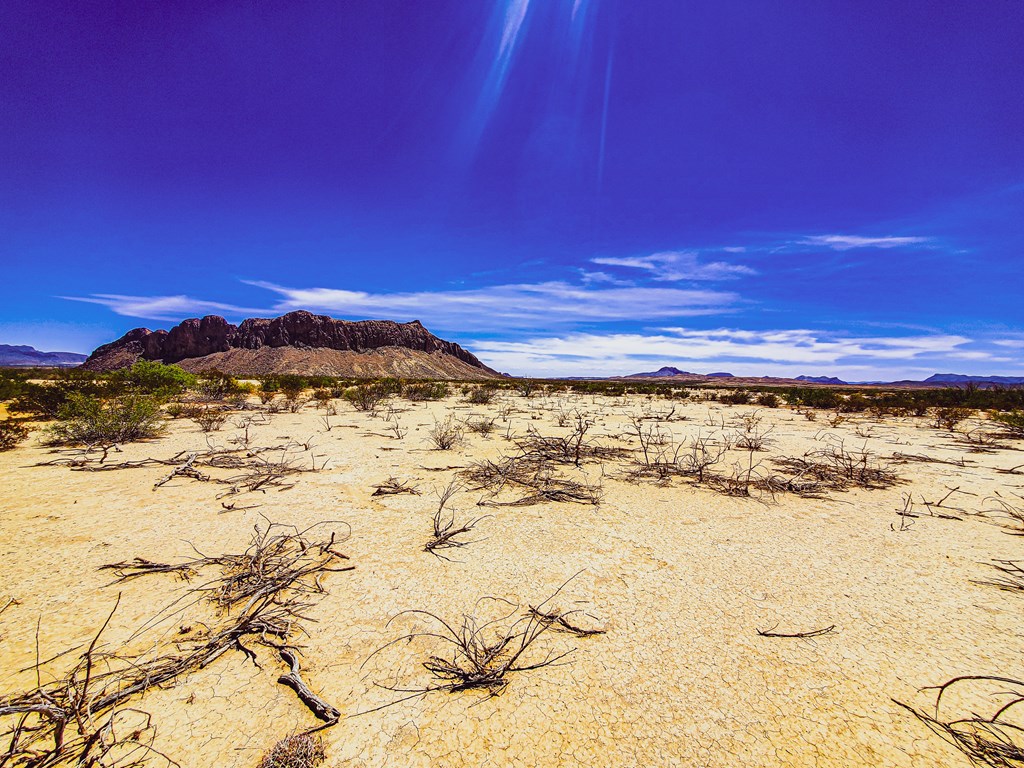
25, 356
821, 380
298, 342
958, 378
661, 373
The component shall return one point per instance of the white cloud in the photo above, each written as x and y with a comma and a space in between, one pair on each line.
848, 242
677, 265
499, 307
741, 352
173, 308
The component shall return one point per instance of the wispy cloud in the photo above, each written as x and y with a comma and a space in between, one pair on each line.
672, 266
849, 242
742, 352
172, 308
492, 308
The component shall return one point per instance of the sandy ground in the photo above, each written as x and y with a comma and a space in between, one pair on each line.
681, 577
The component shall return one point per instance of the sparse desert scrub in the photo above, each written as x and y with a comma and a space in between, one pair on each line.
366, 397
483, 654
88, 420
259, 596
834, 468
948, 418
426, 390
480, 425
1012, 422
482, 394
446, 434
210, 419
12, 432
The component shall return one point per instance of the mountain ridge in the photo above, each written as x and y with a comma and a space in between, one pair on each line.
297, 342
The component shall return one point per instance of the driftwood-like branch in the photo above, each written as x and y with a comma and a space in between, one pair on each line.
293, 679
813, 633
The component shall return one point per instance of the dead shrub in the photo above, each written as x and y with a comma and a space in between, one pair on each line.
446, 434
303, 750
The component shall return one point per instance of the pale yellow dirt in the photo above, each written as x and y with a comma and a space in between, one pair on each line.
680, 576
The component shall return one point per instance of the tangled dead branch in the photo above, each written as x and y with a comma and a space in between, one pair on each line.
996, 740
484, 654
262, 594
446, 532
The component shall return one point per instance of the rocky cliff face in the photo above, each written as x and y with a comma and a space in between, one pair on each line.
213, 338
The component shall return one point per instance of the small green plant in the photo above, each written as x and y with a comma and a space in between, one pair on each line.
86, 419
768, 400
11, 433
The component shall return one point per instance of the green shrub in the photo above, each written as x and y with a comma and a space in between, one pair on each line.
216, 385
12, 384
481, 395
11, 433
365, 397
768, 400
86, 419
152, 378
736, 397
427, 390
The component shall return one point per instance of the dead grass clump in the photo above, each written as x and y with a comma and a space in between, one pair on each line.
833, 468
445, 435
303, 750
446, 531
480, 426
483, 654
533, 483
1010, 511
996, 740
1010, 578
11, 433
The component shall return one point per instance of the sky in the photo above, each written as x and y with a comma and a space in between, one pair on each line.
564, 187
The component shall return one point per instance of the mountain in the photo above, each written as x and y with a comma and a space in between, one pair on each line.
959, 378
670, 372
298, 342
661, 373
21, 355
821, 380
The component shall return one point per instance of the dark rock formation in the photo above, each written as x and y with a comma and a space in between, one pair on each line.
211, 336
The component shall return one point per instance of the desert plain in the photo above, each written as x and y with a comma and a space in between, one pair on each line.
666, 582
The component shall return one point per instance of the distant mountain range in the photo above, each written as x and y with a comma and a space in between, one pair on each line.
26, 357
935, 380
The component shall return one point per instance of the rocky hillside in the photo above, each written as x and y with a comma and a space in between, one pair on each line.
298, 342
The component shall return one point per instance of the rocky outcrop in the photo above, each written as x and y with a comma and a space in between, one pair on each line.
274, 342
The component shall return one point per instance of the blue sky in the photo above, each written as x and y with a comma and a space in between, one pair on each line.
565, 187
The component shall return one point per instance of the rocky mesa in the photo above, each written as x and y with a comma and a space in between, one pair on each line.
298, 342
